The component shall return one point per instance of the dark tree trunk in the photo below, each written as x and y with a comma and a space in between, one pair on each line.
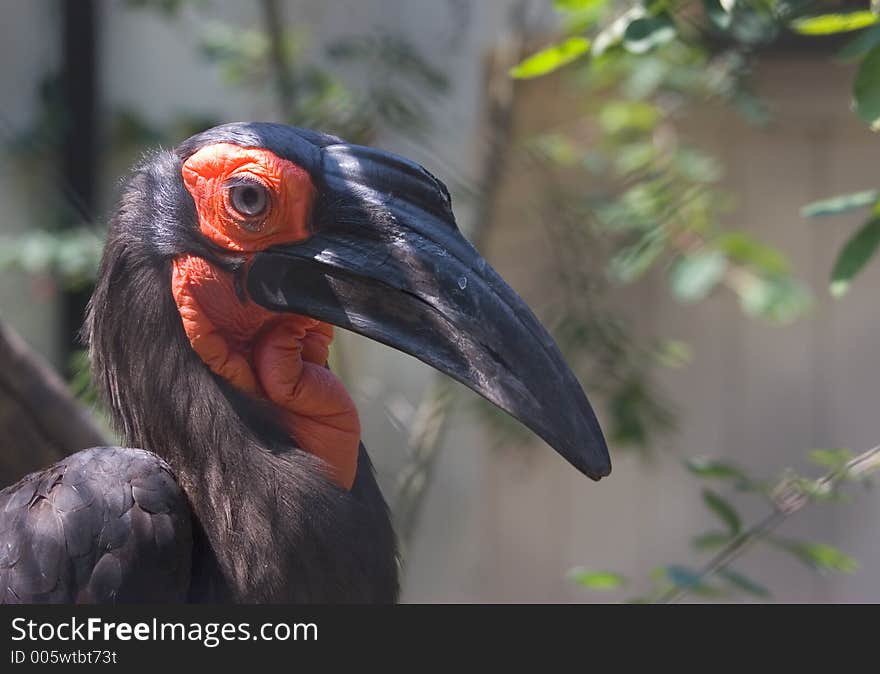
79, 155
40, 422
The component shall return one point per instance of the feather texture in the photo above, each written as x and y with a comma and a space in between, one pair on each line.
107, 524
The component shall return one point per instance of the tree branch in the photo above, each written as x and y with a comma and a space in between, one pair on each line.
274, 25
40, 421
788, 498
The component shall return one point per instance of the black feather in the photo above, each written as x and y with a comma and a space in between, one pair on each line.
54, 524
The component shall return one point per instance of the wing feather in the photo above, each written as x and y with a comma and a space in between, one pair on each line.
108, 524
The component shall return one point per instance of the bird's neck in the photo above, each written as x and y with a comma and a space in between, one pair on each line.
248, 487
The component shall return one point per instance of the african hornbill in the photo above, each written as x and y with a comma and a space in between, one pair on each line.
225, 266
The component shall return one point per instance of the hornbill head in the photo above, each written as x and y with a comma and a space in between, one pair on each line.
266, 224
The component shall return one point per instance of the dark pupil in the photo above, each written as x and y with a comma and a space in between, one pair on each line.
249, 200
249, 197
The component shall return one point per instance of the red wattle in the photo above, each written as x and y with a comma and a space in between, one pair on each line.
281, 357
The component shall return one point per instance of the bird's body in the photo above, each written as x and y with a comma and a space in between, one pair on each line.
251, 484
111, 524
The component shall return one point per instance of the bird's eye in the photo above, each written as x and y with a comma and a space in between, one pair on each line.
249, 199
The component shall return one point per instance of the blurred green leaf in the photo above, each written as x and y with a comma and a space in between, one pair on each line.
581, 15
753, 24
631, 262
694, 276
658, 573
645, 33
827, 24
169, 8
688, 579
723, 509
73, 255
578, 5
682, 576
634, 157
635, 411
697, 166
718, 14
818, 556
866, 90
551, 58
616, 117
389, 56
854, 256
753, 109
596, 580
613, 33
744, 583
711, 540
860, 45
810, 488
240, 55
835, 459
707, 468
747, 250
840, 204
674, 353
80, 384
653, 73
779, 299
556, 147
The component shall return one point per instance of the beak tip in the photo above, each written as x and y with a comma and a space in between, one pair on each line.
604, 471
582, 443
596, 470
593, 460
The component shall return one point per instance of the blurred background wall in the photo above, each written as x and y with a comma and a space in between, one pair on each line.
503, 524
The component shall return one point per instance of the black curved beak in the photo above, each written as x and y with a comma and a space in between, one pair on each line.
387, 261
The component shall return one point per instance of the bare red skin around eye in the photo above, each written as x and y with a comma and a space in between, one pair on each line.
280, 357
206, 174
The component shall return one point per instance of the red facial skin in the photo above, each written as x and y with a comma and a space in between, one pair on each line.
280, 357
